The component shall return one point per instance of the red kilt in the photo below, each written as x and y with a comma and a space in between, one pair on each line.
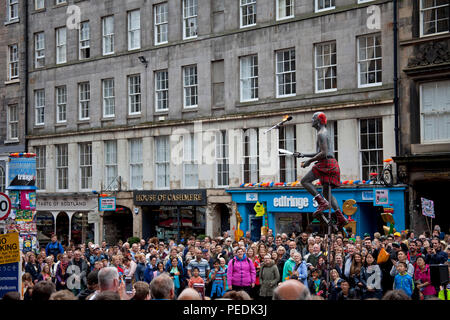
328, 172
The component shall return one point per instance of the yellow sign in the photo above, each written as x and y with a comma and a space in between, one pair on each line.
9, 248
349, 208
259, 209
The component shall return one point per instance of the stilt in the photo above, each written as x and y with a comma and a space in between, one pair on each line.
330, 242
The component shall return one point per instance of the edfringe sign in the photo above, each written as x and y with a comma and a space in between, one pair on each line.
170, 198
9, 248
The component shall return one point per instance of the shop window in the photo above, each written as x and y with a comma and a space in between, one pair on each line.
45, 226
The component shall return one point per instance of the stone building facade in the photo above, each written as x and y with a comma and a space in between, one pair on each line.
12, 84
424, 64
176, 95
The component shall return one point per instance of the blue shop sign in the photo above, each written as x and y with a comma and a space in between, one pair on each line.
9, 278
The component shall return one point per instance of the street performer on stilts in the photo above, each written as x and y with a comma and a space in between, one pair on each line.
326, 169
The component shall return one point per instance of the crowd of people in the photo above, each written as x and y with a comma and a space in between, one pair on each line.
281, 266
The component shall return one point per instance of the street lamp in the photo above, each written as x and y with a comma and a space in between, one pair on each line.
143, 60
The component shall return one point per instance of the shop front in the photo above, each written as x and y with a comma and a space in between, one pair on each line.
291, 209
68, 216
172, 214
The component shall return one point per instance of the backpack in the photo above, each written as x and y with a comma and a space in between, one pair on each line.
248, 261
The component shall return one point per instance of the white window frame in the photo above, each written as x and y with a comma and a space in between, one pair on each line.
13, 61
163, 162
278, 10
85, 152
61, 105
57, 2
365, 1
316, 69
358, 44
134, 32
13, 122
160, 92
243, 4
109, 36
188, 17
134, 92
39, 108
159, 24
62, 165
252, 78
380, 165
61, 45
39, 52
222, 156
13, 8
440, 111
187, 87
190, 149
421, 14
111, 159
136, 162
252, 157
41, 161
316, 6
84, 43
110, 98
288, 141
36, 4
83, 101
279, 73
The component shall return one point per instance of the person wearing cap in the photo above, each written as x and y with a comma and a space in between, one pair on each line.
397, 237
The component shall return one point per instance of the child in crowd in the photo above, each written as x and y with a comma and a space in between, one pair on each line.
218, 278
403, 281
196, 282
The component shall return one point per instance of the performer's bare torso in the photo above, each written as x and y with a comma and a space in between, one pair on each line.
330, 152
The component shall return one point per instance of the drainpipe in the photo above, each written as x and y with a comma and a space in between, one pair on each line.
396, 97
26, 75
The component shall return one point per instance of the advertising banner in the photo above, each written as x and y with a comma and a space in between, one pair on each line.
9, 263
22, 173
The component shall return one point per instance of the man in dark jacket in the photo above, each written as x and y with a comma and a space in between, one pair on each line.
54, 248
437, 255
302, 242
92, 285
346, 292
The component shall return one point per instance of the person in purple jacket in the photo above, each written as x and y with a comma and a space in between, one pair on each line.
241, 272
